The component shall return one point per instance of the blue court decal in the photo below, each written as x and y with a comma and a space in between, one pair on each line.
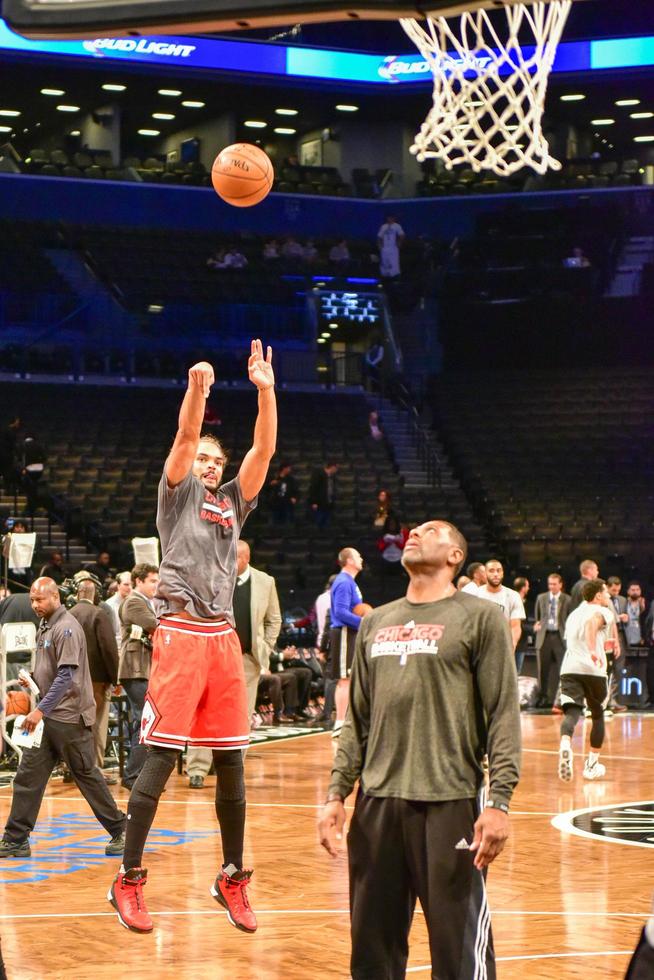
70, 842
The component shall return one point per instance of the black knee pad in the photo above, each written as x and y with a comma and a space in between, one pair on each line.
159, 763
230, 778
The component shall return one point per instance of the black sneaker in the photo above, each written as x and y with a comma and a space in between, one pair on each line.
116, 845
13, 849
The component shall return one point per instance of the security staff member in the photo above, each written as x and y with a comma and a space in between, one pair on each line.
67, 707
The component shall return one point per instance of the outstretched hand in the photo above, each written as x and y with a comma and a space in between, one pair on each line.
260, 371
201, 374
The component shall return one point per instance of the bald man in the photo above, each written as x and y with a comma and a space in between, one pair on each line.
258, 621
67, 709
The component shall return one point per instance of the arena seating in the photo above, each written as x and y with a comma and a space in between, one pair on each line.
106, 449
559, 464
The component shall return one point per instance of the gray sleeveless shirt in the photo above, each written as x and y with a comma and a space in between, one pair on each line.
199, 531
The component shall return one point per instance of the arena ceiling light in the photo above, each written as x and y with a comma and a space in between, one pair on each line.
602, 122
347, 108
285, 131
68, 108
627, 102
9, 112
190, 104
74, 132
286, 112
641, 115
163, 115
255, 124
110, 87
149, 132
643, 139
573, 97
172, 92
52, 91
6, 129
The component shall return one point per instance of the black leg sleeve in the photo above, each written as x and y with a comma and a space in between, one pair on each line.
147, 789
230, 804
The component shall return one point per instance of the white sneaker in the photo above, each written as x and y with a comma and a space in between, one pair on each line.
608, 713
588, 713
565, 763
596, 771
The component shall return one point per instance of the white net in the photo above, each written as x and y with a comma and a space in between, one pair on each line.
489, 94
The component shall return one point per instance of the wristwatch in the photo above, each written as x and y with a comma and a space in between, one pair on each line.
498, 805
335, 796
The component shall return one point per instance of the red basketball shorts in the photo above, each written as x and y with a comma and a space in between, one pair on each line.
197, 692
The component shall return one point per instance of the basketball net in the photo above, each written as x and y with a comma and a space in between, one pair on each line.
489, 94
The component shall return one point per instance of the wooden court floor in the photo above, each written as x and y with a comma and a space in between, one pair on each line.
564, 906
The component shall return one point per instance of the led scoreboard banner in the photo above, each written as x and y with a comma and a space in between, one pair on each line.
342, 307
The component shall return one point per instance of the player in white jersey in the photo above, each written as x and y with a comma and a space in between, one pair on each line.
589, 634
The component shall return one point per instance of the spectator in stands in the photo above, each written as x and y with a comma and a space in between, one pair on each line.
649, 640
476, 572
310, 254
8, 442
291, 160
54, 568
588, 571
32, 472
137, 624
552, 609
20, 575
374, 425
292, 250
577, 260
391, 545
390, 238
339, 255
101, 567
372, 363
382, 509
281, 690
508, 599
114, 601
288, 661
321, 498
271, 251
217, 259
102, 653
234, 259
284, 495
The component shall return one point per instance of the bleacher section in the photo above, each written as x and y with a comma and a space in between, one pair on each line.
560, 465
106, 450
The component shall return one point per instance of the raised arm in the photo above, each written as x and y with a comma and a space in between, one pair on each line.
191, 414
254, 468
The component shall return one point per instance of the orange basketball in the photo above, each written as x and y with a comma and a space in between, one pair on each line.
242, 175
362, 609
18, 703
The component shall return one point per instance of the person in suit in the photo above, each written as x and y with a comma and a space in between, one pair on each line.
619, 605
588, 571
552, 609
138, 622
258, 620
102, 652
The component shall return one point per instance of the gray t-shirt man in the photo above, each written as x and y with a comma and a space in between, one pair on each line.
60, 642
199, 531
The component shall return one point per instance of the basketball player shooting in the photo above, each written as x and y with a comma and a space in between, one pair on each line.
197, 692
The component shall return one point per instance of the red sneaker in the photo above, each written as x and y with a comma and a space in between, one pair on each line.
126, 896
231, 892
